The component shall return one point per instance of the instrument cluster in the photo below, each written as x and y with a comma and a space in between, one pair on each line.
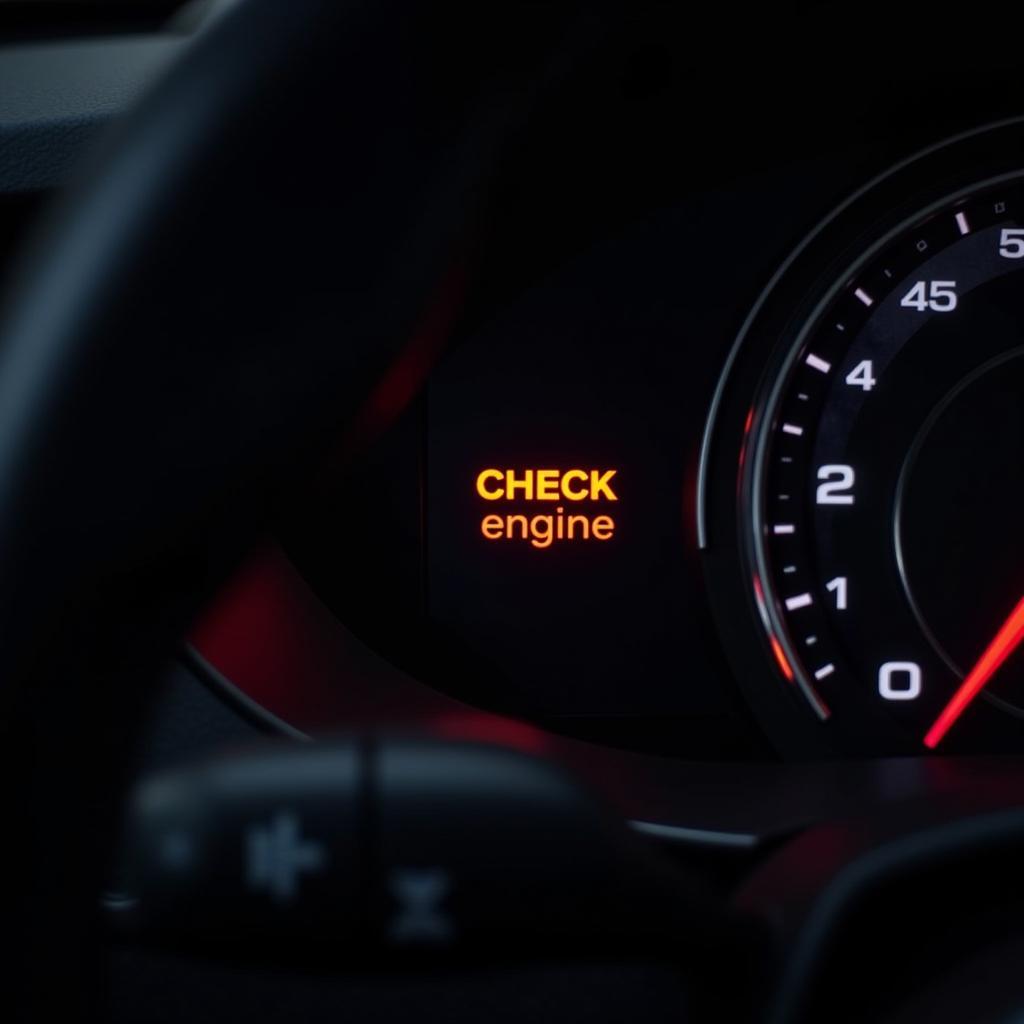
719, 458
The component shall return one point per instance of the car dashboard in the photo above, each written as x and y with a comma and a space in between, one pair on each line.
697, 477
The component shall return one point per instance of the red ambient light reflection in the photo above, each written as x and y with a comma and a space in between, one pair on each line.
271, 637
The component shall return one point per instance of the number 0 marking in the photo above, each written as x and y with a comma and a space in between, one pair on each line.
899, 680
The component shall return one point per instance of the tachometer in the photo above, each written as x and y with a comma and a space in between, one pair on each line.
886, 486
881, 491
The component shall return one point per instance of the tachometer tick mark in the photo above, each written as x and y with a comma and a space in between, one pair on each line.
799, 601
825, 671
961, 223
864, 297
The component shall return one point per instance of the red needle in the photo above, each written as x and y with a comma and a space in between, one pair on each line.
1003, 644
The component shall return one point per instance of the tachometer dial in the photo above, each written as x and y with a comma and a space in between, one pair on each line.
883, 484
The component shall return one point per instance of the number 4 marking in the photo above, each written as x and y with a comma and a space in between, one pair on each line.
862, 375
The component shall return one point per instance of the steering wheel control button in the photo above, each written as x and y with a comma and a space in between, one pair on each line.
487, 845
391, 848
421, 916
257, 843
277, 857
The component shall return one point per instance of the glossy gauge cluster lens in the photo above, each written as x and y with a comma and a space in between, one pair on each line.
884, 486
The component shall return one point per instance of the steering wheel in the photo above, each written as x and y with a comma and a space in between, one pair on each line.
194, 329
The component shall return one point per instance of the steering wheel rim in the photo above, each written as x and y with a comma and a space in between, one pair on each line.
186, 335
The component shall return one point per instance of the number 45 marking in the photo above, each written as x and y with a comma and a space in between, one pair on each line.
938, 296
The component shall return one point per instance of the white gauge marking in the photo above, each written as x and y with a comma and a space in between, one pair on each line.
824, 671
961, 223
817, 363
792, 428
864, 297
811, 641
783, 528
889, 685
799, 601
836, 486
1011, 243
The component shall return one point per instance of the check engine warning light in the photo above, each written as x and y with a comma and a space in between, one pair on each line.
572, 492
